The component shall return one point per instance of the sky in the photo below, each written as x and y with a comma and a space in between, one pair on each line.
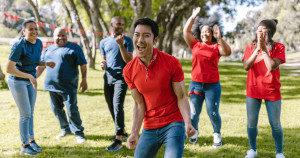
242, 11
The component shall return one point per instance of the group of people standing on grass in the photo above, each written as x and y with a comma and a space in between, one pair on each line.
155, 80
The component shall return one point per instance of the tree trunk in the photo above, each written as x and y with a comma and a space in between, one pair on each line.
69, 16
37, 16
141, 8
83, 37
2, 76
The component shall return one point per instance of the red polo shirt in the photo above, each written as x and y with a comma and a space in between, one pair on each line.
205, 62
261, 83
154, 82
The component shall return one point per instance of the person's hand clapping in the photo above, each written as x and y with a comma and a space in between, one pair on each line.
217, 33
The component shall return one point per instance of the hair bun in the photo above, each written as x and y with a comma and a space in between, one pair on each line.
276, 21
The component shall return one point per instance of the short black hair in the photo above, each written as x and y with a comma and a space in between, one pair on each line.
26, 22
148, 22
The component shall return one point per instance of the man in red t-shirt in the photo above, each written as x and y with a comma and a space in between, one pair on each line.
156, 81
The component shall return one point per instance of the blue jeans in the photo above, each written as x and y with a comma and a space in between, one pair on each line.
172, 135
24, 95
211, 93
115, 89
57, 104
273, 109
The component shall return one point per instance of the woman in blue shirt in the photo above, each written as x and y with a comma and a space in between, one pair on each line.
24, 58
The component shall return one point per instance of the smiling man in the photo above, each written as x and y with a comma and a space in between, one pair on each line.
62, 82
156, 81
116, 51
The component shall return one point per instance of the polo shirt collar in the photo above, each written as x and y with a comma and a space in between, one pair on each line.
148, 68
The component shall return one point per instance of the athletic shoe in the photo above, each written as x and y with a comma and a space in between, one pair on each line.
193, 139
63, 134
251, 153
124, 137
280, 155
28, 150
117, 145
35, 146
80, 139
217, 140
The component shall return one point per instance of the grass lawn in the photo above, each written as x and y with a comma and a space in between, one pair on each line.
99, 125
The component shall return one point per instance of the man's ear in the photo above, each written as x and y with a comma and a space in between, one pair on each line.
155, 40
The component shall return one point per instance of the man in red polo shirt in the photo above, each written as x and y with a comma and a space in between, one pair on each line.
156, 81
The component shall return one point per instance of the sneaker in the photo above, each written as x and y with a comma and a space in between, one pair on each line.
80, 139
251, 153
117, 145
280, 155
193, 139
217, 140
124, 137
35, 146
62, 134
28, 150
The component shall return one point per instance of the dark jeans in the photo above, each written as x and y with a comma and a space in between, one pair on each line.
115, 89
57, 104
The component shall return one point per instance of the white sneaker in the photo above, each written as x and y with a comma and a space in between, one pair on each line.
217, 140
80, 139
280, 155
251, 153
193, 139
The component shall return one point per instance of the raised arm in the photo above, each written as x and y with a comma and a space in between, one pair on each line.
184, 107
138, 117
127, 56
224, 48
187, 34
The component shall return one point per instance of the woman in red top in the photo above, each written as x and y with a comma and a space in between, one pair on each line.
203, 36
261, 60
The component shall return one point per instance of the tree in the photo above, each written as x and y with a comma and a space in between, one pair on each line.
37, 16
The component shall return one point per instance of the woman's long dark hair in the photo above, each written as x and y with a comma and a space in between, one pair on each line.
200, 22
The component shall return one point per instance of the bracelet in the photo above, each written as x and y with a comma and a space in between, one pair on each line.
45, 64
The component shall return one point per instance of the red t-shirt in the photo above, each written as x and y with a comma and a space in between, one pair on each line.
155, 84
261, 83
205, 62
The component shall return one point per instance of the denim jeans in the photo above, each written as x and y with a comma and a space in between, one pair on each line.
211, 93
57, 104
172, 135
115, 89
24, 95
273, 109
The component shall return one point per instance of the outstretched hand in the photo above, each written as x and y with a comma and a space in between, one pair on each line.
217, 33
196, 12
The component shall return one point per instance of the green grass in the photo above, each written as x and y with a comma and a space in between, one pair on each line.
99, 125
